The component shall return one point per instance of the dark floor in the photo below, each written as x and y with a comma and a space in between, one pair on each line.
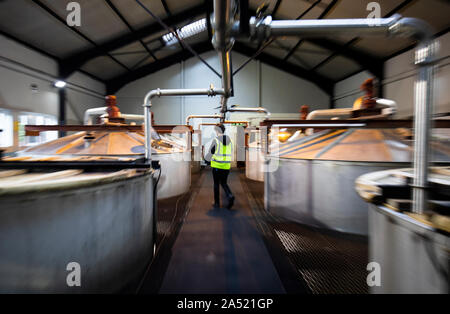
329, 262
246, 250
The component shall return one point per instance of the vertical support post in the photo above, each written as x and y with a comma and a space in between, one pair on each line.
332, 102
259, 78
423, 99
62, 109
331, 95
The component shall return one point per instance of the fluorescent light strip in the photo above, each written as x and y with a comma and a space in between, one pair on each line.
186, 31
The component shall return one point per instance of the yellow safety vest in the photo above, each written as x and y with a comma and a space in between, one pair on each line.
222, 156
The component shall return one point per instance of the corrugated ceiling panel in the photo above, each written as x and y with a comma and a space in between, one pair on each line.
382, 47
275, 51
103, 67
287, 42
133, 47
309, 55
167, 51
131, 55
30, 23
156, 44
177, 6
136, 15
293, 9
338, 68
154, 37
98, 21
284, 46
435, 12
146, 62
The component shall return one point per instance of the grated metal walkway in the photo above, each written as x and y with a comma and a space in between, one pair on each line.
220, 251
246, 250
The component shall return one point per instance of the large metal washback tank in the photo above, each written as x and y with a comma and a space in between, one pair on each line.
99, 225
411, 249
170, 150
314, 181
254, 162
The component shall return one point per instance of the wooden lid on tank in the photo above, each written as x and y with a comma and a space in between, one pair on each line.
388, 189
365, 145
102, 144
14, 182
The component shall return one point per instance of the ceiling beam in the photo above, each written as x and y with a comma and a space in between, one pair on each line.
166, 7
29, 46
124, 20
324, 83
374, 65
275, 8
321, 16
74, 62
291, 52
209, 9
45, 53
368, 62
117, 83
73, 29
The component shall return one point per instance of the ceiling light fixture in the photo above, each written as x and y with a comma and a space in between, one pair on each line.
60, 84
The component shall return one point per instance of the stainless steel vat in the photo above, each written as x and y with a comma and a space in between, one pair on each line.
175, 174
411, 250
413, 257
314, 182
254, 163
102, 221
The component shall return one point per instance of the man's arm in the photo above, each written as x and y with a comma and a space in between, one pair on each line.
211, 152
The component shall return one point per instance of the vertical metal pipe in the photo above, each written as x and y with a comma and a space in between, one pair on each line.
223, 42
148, 133
210, 92
423, 101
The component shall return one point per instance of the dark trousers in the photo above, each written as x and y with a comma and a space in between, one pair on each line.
220, 178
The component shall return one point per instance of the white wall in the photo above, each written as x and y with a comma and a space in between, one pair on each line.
255, 85
400, 74
20, 67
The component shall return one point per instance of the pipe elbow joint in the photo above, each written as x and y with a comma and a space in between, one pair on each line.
150, 95
420, 31
412, 28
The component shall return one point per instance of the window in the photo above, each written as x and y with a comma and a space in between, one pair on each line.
6, 124
26, 118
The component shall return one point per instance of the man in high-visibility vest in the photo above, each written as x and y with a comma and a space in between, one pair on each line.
220, 157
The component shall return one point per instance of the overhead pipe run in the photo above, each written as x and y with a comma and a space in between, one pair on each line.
223, 42
394, 26
205, 116
251, 109
128, 116
225, 122
210, 92
266, 28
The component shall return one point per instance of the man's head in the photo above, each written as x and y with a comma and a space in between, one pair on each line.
220, 129
304, 110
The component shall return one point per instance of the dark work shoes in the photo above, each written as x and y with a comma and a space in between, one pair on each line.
230, 202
